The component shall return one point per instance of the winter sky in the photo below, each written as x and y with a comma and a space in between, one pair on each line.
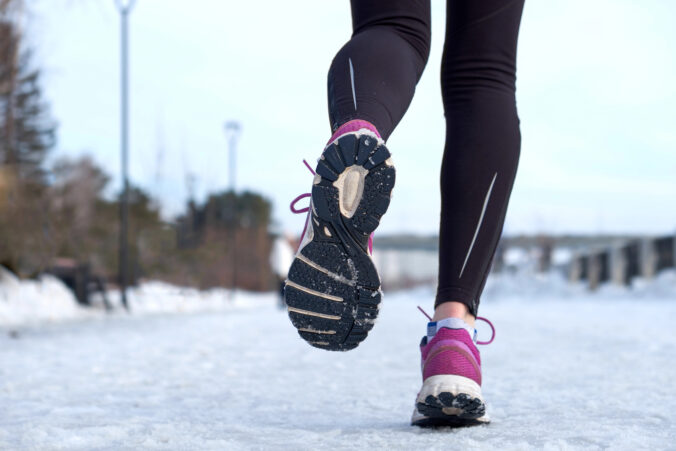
595, 91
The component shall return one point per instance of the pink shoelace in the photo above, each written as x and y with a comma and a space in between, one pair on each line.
295, 210
479, 318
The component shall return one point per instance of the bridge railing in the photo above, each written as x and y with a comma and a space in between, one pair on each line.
621, 263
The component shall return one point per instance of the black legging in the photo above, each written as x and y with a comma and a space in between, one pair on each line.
373, 78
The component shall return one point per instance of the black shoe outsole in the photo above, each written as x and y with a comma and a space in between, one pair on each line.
333, 289
472, 411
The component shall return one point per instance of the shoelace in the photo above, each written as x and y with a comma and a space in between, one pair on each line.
481, 318
295, 210
292, 206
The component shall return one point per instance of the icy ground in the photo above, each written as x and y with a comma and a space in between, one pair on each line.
567, 371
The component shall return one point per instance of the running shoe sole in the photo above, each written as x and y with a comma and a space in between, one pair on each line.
448, 400
333, 289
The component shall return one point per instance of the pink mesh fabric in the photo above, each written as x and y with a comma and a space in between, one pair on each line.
353, 126
451, 351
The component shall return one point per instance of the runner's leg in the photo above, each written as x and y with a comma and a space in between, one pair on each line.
373, 77
482, 145
333, 289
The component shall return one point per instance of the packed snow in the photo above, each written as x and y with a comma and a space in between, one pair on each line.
198, 370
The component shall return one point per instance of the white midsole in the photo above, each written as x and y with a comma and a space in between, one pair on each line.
309, 232
449, 383
446, 383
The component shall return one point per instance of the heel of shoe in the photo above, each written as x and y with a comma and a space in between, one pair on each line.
449, 400
355, 185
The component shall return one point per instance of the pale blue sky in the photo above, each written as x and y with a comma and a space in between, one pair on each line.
596, 95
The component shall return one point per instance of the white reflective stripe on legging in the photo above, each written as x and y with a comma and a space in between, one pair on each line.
354, 95
478, 226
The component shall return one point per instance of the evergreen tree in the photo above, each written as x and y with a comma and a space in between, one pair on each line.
27, 131
26, 135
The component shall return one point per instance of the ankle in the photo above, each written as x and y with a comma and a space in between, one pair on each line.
453, 310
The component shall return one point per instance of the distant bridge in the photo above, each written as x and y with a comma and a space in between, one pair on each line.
407, 260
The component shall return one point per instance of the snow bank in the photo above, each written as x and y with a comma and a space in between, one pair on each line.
48, 300
554, 285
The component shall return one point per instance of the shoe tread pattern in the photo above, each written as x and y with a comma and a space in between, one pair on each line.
337, 264
472, 409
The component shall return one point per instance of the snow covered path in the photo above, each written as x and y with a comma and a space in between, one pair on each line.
592, 373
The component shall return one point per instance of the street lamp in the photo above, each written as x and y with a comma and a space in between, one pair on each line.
232, 133
124, 7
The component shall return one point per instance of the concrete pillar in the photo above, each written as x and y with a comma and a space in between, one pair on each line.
578, 268
648, 258
545, 249
664, 248
619, 265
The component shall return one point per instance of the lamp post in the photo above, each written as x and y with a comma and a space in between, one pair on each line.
124, 7
232, 133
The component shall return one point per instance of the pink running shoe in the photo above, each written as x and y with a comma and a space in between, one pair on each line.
451, 370
333, 289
